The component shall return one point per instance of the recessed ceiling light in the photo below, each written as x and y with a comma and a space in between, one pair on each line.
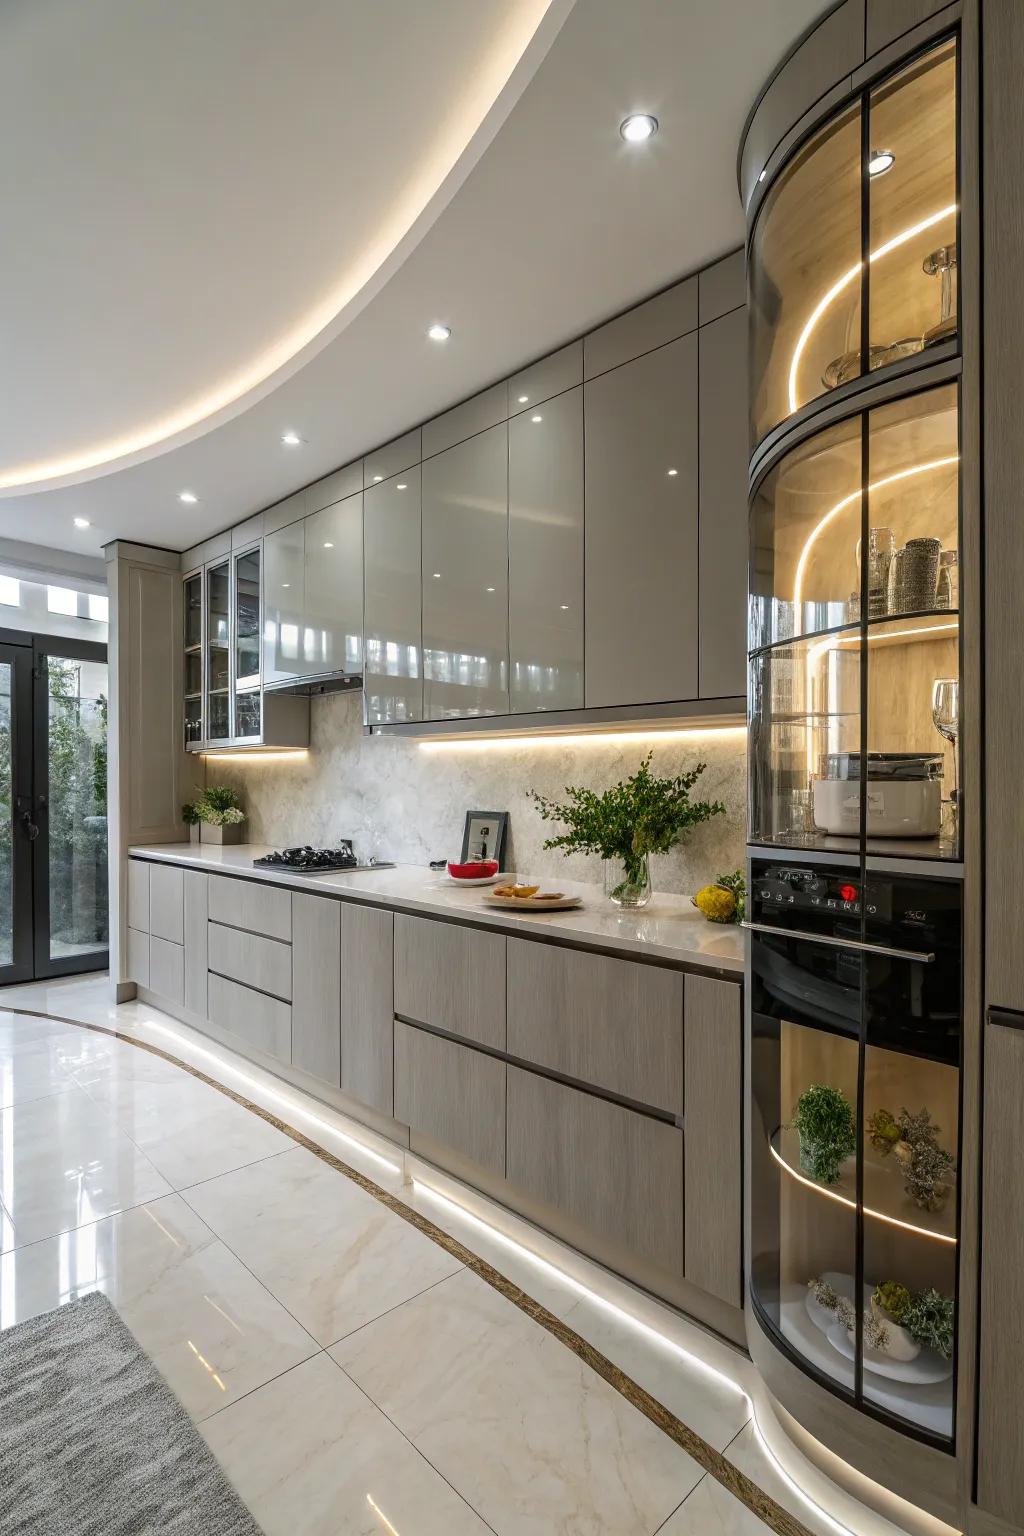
438, 332
377, 479
285, 585
536, 418
188, 497
401, 486
565, 607
880, 161
328, 545
673, 471
437, 575
490, 589
638, 127
763, 174
292, 439
523, 399
82, 522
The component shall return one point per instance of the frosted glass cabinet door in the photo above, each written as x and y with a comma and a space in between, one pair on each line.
333, 623
545, 555
393, 665
465, 578
284, 639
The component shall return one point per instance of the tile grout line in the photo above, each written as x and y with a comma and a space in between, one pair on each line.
762, 1504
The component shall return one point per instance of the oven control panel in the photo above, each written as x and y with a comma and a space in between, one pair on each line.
806, 889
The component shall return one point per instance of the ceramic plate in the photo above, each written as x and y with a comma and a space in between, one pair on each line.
927, 1369
447, 879
534, 903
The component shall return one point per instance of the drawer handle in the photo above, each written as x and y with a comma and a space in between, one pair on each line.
925, 957
1005, 1018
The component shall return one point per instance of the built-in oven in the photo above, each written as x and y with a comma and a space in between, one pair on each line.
855, 1005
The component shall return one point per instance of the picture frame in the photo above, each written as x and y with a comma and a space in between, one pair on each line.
485, 836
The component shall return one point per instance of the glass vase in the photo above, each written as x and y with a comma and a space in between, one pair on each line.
628, 884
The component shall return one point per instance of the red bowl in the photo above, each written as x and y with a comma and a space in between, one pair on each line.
479, 869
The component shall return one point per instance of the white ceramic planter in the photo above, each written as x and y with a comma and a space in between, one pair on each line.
229, 834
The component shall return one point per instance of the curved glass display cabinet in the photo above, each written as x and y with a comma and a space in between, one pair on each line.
854, 784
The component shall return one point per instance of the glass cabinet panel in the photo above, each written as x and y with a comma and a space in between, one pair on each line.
193, 679
218, 653
247, 619
805, 276
855, 1081
913, 213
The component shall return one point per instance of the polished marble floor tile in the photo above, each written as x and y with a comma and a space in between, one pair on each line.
711, 1510
212, 1330
32, 1074
63, 1163
332, 1254
188, 1130
748, 1454
312, 1456
528, 1434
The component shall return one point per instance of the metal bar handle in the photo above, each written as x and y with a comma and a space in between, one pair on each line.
824, 938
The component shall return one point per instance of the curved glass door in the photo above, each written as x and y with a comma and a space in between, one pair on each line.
817, 263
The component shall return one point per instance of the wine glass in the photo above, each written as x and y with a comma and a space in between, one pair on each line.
946, 720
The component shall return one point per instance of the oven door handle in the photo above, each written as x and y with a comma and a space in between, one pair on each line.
823, 938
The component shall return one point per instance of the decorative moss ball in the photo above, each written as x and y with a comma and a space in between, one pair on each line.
717, 904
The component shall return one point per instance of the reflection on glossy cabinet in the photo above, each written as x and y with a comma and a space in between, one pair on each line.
641, 550
545, 555
465, 578
283, 604
723, 507
393, 667
333, 605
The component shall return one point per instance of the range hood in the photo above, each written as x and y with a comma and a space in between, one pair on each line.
312, 687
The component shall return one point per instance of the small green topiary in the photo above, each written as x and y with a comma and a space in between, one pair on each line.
894, 1299
828, 1135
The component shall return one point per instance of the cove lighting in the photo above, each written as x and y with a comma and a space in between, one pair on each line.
844, 282
891, 1221
82, 522
578, 738
638, 127
263, 755
188, 497
881, 160
438, 332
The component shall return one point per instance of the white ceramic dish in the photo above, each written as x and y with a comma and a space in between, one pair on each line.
534, 903
925, 1369
447, 879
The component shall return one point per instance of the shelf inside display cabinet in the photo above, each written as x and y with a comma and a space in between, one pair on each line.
884, 1197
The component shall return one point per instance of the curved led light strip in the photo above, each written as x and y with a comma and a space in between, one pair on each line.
843, 282
831, 1194
492, 92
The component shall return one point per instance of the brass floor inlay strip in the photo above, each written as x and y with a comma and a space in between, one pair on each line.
705, 1455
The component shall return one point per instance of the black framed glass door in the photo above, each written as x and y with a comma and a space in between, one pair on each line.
53, 807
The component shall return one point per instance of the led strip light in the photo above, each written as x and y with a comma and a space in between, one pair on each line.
831, 1194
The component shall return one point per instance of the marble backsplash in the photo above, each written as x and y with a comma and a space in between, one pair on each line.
401, 801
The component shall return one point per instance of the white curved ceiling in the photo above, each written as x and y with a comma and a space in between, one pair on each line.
296, 151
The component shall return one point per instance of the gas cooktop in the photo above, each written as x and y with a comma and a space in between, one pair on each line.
319, 861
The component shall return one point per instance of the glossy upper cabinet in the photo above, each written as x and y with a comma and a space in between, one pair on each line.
465, 578
723, 506
545, 555
393, 663
333, 588
284, 584
642, 537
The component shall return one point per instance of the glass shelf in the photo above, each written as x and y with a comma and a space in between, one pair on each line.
884, 1199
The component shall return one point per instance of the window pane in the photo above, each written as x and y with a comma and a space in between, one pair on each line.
10, 591
6, 821
78, 806
98, 608
62, 600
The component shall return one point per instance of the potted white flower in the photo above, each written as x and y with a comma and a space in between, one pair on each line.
219, 813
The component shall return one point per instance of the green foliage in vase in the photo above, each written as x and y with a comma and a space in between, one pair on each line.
893, 1298
217, 806
824, 1119
190, 814
928, 1318
638, 816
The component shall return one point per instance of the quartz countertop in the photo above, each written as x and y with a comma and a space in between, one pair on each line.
669, 928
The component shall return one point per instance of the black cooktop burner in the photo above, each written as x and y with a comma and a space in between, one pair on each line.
318, 860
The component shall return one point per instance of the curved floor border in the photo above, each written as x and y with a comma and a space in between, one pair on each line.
706, 1456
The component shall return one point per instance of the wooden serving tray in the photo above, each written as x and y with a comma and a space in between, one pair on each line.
534, 903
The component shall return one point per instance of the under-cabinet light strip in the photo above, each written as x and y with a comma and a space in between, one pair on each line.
582, 738
831, 1194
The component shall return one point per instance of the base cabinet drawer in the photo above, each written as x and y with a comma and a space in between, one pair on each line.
196, 940
167, 903
316, 986
615, 1024
256, 908
138, 957
452, 1094
167, 969
259, 1020
265, 964
616, 1172
451, 977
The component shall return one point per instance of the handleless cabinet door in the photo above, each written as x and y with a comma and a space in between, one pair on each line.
316, 985
465, 578
138, 895
197, 909
392, 628
545, 555
723, 506
167, 903
284, 604
333, 606
368, 1005
641, 555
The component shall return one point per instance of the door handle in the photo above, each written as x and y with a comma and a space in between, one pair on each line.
823, 938
29, 827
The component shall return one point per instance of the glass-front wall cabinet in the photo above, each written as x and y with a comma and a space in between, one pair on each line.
218, 651
862, 222
193, 641
247, 640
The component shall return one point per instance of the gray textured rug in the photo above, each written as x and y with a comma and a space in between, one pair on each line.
94, 1443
